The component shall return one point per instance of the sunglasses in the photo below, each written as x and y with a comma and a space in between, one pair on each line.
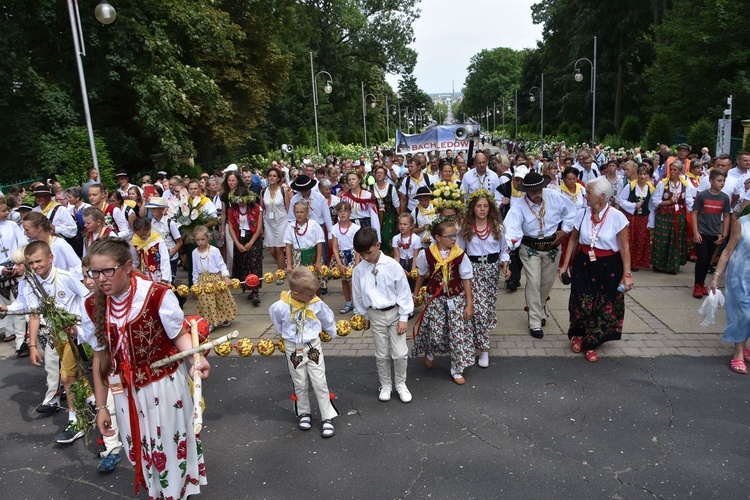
449, 236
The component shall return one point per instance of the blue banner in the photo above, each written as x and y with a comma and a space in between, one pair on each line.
437, 138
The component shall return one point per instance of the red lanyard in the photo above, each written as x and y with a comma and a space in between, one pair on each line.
595, 235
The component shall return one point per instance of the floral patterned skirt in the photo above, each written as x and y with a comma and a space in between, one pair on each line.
216, 307
444, 331
306, 258
639, 238
347, 258
670, 247
484, 288
248, 262
171, 454
596, 308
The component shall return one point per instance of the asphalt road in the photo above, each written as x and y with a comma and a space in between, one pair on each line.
667, 427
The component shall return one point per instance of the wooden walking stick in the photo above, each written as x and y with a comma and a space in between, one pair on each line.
197, 381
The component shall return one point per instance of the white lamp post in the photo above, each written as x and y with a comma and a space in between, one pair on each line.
364, 111
327, 89
105, 14
532, 98
579, 78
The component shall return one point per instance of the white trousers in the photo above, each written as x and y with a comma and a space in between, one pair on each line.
11, 325
541, 272
229, 245
52, 367
388, 345
309, 372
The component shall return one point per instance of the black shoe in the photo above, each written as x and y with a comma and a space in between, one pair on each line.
544, 322
23, 351
537, 333
48, 408
511, 286
324, 291
70, 433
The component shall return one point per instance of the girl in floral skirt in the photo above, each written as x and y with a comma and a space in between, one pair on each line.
483, 241
445, 325
217, 306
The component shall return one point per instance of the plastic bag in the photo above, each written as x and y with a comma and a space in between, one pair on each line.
710, 305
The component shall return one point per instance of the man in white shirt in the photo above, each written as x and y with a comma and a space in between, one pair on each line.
123, 180
740, 174
587, 170
62, 222
408, 190
479, 177
537, 227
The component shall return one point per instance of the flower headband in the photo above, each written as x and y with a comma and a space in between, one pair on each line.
482, 193
439, 220
246, 199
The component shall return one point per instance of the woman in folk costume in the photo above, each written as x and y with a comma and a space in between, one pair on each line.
386, 196
150, 252
364, 206
445, 325
669, 250
246, 230
95, 227
635, 202
574, 190
130, 324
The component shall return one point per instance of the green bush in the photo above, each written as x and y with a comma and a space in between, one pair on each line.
304, 138
72, 159
631, 130
659, 131
606, 127
702, 133
564, 129
613, 141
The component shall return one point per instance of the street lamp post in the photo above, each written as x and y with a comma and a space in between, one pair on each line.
364, 111
532, 98
398, 106
327, 89
105, 14
579, 78
387, 125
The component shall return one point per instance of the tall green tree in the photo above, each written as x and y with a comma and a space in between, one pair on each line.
492, 75
700, 61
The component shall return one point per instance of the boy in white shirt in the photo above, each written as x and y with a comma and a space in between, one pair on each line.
69, 293
299, 317
382, 295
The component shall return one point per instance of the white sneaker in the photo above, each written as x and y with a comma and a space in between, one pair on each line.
403, 393
385, 392
484, 360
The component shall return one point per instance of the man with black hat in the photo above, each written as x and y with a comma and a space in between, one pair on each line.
683, 150
123, 180
537, 226
62, 222
303, 185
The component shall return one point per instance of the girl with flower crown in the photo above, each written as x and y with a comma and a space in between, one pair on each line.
445, 325
484, 243
246, 231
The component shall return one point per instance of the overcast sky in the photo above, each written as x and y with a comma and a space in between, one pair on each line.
449, 32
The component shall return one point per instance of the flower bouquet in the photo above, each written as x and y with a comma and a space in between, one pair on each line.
447, 195
187, 214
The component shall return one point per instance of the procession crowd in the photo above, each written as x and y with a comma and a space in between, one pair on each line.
400, 230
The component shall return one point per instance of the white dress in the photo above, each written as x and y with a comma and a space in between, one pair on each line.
172, 455
274, 219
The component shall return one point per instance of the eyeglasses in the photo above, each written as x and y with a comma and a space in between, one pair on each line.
107, 272
449, 236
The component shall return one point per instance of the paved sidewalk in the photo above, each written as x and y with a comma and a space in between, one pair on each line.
661, 319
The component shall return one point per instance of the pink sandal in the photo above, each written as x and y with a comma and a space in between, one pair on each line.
738, 366
745, 354
576, 344
592, 356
